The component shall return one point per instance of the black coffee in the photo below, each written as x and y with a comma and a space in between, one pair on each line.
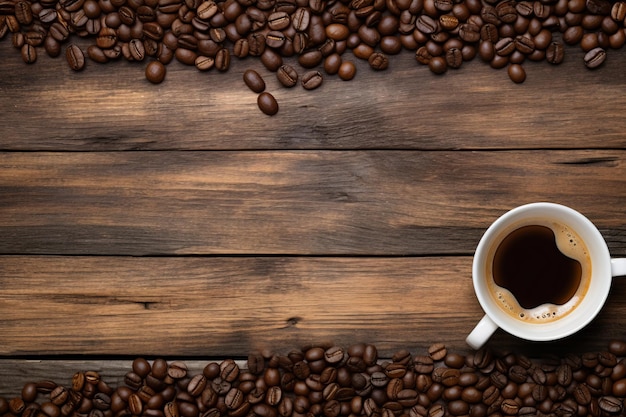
529, 264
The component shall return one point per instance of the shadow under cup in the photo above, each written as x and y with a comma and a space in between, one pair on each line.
590, 299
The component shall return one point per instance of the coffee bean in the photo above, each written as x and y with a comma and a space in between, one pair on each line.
155, 73
438, 65
426, 24
378, 61
75, 57
310, 59
469, 32
255, 82
267, 103
447, 376
347, 70
437, 351
555, 52
29, 53
288, 77
619, 388
312, 80
436, 410
610, 404
301, 19
454, 57
594, 58
135, 405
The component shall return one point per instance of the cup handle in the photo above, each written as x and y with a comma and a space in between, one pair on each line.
481, 333
618, 267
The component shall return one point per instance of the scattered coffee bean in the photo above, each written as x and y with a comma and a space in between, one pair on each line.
204, 33
254, 81
517, 73
267, 103
155, 73
594, 58
312, 80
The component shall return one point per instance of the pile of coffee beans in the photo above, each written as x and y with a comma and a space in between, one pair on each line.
208, 34
332, 381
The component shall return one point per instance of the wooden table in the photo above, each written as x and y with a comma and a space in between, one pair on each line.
177, 220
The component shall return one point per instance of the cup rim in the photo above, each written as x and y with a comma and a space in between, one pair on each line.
575, 320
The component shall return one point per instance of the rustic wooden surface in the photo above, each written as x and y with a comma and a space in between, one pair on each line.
177, 220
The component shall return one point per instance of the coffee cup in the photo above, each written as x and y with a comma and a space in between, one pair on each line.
541, 272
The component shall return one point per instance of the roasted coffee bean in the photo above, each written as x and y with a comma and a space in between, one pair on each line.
310, 59
555, 52
288, 77
256, 43
426, 24
137, 49
436, 410
135, 405
469, 32
423, 364
255, 82
301, 19
337, 31
271, 59
594, 58
155, 72
454, 58
437, 351
76, 60
29, 53
378, 61
564, 375
447, 376
395, 370
96, 54
610, 404
275, 39
268, 105
504, 46
312, 80
222, 63
277, 20
332, 63
23, 12
363, 51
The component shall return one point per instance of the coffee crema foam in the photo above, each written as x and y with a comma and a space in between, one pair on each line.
570, 245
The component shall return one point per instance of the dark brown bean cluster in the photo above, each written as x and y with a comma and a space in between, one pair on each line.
207, 34
330, 381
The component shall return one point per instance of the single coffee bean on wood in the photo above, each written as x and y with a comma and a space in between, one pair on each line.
254, 81
594, 58
312, 80
267, 103
155, 73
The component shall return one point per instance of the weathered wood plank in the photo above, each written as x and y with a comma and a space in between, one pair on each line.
220, 306
228, 307
300, 202
46, 106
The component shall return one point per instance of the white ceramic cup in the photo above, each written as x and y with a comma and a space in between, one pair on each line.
603, 269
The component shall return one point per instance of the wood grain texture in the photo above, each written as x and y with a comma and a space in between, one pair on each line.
216, 307
296, 202
228, 306
113, 107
